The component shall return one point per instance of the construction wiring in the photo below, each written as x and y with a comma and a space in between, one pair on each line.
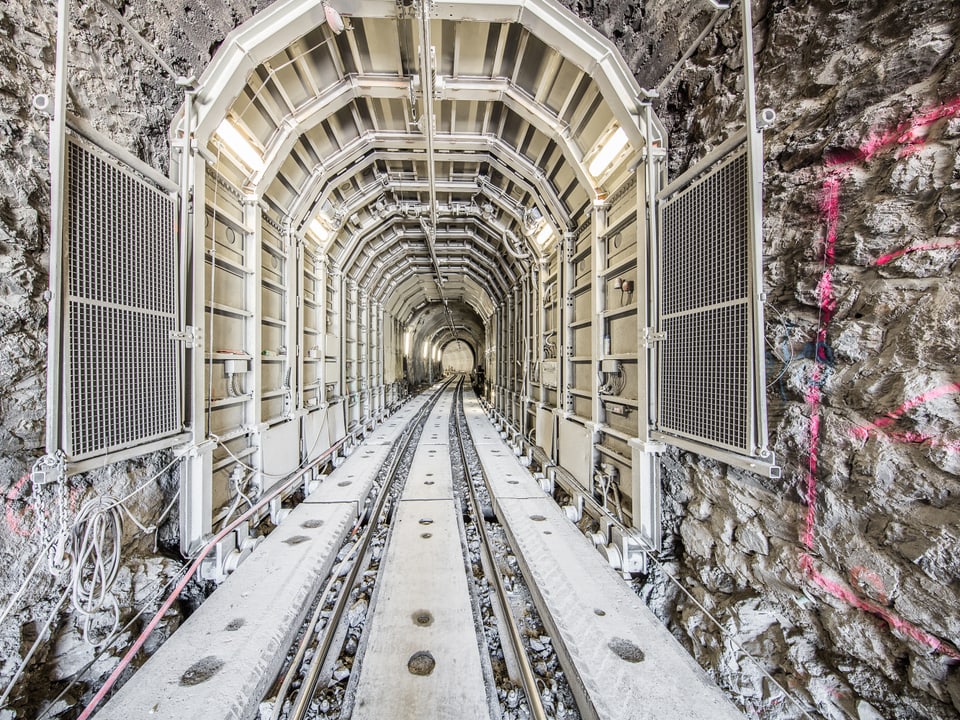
41, 636
107, 644
97, 536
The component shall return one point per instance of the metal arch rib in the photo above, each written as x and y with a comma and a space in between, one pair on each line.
484, 148
391, 222
487, 261
355, 241
384, 274
283, 22
405, 306
497, 265
353, 87
384, 277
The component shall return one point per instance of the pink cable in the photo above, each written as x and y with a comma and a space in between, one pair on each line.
138, 643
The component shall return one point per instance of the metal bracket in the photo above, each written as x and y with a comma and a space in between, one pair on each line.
650, 336
192, 336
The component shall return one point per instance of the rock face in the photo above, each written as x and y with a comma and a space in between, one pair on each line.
117, 88
841, 578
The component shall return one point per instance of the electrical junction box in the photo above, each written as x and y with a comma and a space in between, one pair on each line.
609, 366
548, 373
236, 367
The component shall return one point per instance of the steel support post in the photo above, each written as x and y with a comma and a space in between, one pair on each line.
56, 301
755, 251
196, 491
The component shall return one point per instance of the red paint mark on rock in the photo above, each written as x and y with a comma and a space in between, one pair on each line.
15, 516
862, 576
906, 137
890, 257
862, 432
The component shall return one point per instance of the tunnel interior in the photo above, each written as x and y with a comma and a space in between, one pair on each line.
339, 215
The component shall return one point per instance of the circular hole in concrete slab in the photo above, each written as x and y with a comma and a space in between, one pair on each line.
421, 663
429, 474
422, 618
311, 524
427, 536
426, 521
296, 540
547, 532
537, 518
344, 483
201, 671
235, 624
626, 650
513, 482
428, 482
598, 611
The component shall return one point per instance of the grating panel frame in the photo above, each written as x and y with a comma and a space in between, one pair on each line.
705, 359
122, 369
704, 379
705, 236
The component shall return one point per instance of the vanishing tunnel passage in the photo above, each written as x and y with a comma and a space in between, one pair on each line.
639, 232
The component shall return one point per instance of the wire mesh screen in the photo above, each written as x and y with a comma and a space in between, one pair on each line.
122, 368
705, 358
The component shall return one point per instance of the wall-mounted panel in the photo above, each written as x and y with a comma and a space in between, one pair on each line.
122, 374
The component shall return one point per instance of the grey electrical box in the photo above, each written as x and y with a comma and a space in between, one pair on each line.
548, 373
609, 366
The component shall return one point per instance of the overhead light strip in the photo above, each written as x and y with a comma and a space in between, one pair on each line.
239, 146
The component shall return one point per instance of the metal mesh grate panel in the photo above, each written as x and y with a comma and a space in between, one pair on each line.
704, 378
705, 240
122, 374
705, 371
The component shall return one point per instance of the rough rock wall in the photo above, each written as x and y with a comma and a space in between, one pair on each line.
842, 578
117, 88
846, 604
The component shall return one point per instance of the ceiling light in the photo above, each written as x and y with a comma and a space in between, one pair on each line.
239, 145
333, 19
320, 230
545, 235
607, 153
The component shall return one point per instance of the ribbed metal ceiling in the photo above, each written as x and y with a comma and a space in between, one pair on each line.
523, 100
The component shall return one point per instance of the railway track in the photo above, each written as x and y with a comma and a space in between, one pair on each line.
422, 605
429, 575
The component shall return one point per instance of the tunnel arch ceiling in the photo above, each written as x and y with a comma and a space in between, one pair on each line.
534, 116
434, 171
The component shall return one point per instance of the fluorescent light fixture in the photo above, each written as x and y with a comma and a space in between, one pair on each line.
239, 146
333, 19
407, 339
437, 355
426, 351
545, 235
607, 153
320, 230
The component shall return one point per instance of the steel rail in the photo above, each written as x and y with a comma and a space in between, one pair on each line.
528, 680
308, 688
